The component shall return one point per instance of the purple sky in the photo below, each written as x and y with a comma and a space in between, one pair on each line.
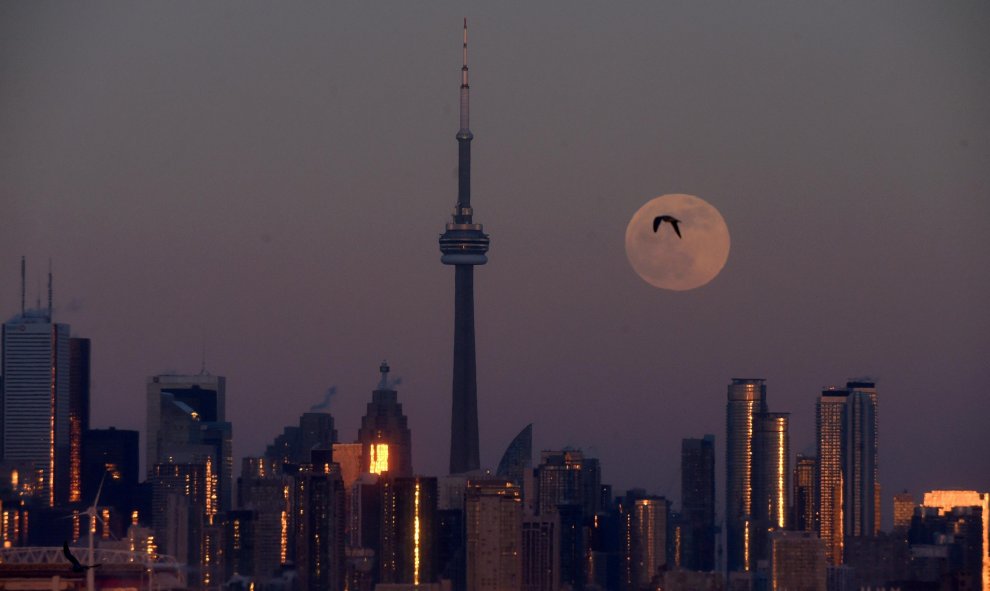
270, 181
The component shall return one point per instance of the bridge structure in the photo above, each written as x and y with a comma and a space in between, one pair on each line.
45, 567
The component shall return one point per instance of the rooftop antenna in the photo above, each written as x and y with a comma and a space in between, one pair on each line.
23, 282
49, 290
202, 365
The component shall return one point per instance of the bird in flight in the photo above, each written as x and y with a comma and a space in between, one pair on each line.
669, 219
76, 566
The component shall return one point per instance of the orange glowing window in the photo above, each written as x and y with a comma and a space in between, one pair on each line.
378, 461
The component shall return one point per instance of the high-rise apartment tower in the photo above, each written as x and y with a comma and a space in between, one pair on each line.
747, 398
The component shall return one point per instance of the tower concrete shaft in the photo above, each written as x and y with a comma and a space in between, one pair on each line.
464, 245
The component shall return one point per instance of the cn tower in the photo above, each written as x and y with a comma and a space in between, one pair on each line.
464, 245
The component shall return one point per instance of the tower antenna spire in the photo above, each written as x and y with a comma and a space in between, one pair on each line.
49, 290
23, 282
465, 92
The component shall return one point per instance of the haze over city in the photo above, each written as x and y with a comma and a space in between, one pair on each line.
267, 183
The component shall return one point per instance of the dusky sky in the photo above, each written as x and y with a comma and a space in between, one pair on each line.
268, 181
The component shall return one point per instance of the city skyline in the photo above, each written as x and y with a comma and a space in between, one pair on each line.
299, 250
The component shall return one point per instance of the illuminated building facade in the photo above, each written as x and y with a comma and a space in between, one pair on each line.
697, 542
384, 434
829, 418
647, 534
34, 405
746, 399
464, 245
408, 531
518, 457
771, 479
803, 499
79, 379
847, 494
797, 560
904, 505
493, 510
948, 502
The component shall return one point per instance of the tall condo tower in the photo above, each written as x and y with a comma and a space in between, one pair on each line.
747, 398
464, 245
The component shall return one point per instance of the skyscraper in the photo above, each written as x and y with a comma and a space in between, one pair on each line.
384, 435
847, 495
860, 460
540, 553
494, 535
186, 421
566, 477
408, 531
698, 503
34, 403
647, 536
771, 478
518, 457
829, 415
803, 500
78, 413
295, 444
464, 245
859, 464
746, 398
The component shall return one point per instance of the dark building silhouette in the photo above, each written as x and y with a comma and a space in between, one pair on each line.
747, 397
540, 553
181, 510
452, 547
261, 492
860, 462
518, 457
113, 452
384, 435
566, 477
803, 498
408, 531
318, 524
464, 244
79, 380
698, 504
186, 422
296, 443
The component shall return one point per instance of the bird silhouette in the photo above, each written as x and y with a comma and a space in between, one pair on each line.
667, 218
76, 566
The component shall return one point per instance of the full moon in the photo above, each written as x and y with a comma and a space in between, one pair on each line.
661, 258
